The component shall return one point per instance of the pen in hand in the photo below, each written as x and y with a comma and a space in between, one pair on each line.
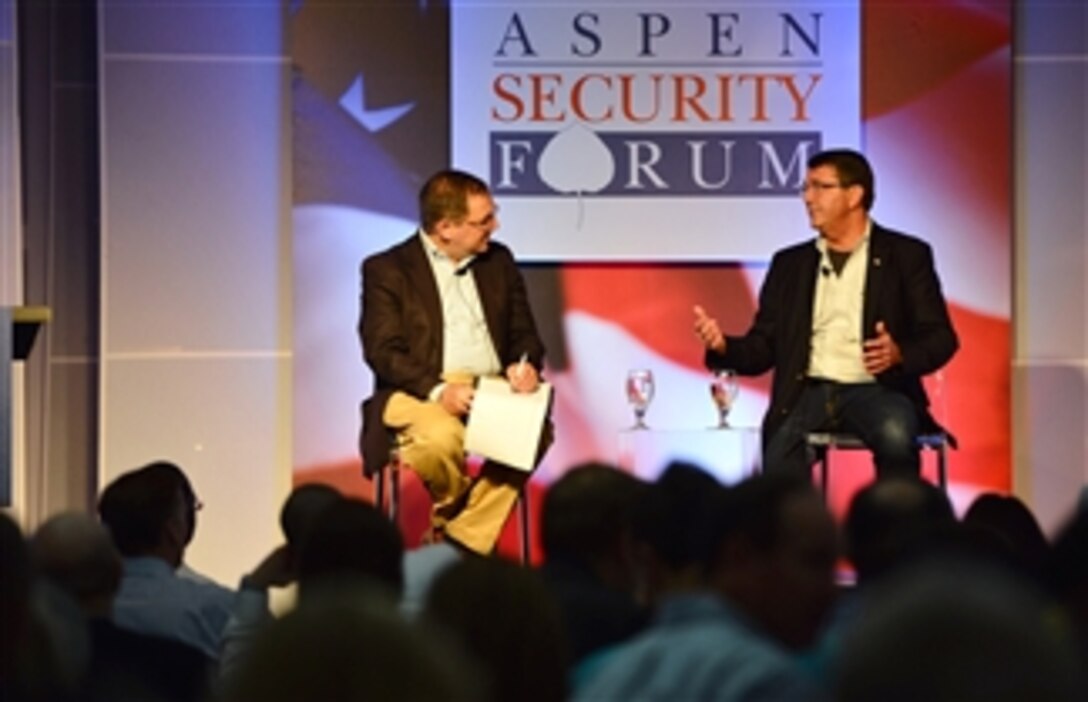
520, 370
522, 375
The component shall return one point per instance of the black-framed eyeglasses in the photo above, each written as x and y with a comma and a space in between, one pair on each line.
821, 186
485, 222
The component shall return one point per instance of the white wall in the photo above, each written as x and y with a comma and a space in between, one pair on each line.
1050, 374
196, 283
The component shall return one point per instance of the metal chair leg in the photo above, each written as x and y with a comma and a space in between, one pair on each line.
379, 489
394, 492
942, 466
825, 470
523, 519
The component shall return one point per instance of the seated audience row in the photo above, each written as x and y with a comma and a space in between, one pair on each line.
678, 589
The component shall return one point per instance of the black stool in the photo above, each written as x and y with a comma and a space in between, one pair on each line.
822, 443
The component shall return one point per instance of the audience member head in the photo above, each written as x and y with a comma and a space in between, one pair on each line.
75, 552
775, 555
351, 539
300, 511
893, 520
151, 511
587, 519
1009, 520
503, 615
350, 644
673, 529
1066, 574
16, 576
954, 630
42, 655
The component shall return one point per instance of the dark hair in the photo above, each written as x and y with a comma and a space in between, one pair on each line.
1066, 568
853, 169
894, 520
137, 506
445, 196
752, 509
350, 644
586, 512
351, 539
302, 507
1013, 524
676, 517
506, 618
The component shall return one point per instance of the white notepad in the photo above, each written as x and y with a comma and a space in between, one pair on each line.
504, 425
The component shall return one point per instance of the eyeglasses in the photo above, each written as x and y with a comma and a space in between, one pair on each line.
821, 186
485, 222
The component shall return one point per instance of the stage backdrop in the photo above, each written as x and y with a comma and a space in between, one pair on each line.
646, 158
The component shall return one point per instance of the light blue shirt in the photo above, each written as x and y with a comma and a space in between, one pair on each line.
466, 342
153, 599
698, 648
421, 567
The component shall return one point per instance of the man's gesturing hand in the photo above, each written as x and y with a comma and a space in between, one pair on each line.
881, 352
708, 332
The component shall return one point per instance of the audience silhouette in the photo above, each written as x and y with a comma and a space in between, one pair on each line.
502, 614
746, 573
676, 589
1012, 528
587, 528
151, 515
74, 552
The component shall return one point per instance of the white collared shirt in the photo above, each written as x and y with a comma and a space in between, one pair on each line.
837, 310
466, 342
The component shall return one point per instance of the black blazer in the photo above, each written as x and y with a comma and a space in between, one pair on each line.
401, 327
901, 289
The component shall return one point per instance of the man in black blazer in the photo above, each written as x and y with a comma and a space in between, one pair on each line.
849, 322
444, 307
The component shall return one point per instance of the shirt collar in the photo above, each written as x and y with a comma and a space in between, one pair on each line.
821, 243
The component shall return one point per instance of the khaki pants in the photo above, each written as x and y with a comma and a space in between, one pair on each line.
431, 442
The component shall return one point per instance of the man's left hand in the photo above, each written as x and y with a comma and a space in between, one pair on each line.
881, 352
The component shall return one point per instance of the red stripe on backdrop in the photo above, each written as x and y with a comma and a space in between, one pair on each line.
654, 302
977, 387
910, 48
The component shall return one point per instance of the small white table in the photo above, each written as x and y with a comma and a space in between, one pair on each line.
730, 454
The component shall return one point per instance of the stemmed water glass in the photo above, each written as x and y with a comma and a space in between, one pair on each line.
723, 390
640, 391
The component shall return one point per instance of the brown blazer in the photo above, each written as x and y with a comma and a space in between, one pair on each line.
401, 328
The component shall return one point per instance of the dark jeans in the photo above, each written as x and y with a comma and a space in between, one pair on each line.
885, 420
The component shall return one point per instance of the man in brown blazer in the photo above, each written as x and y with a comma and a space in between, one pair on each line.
849, 323
440, 309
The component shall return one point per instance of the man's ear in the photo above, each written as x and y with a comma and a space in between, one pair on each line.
855, 192
442, 228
